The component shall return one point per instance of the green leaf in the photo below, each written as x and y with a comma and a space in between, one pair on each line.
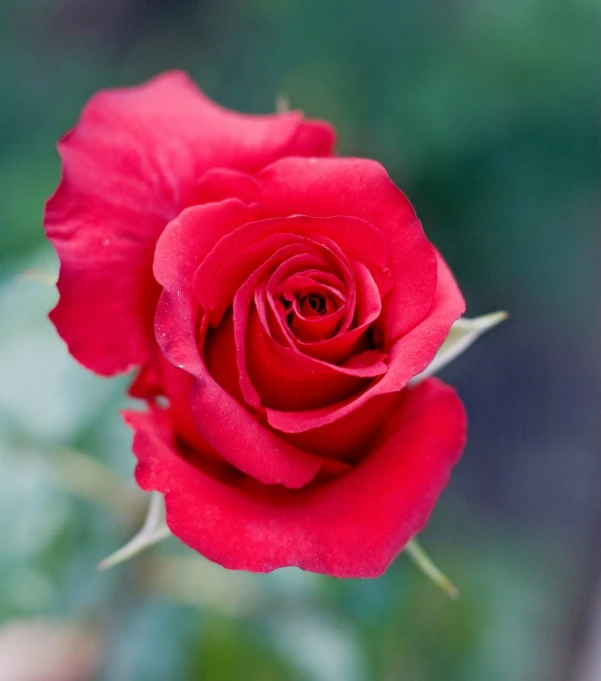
153, 531
462, 334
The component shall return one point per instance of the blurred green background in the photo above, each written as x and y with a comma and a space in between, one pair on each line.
486, 114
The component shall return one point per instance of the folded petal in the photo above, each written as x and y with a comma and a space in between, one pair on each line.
286, 379
352, 526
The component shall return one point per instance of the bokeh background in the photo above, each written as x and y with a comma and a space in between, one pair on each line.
486, 114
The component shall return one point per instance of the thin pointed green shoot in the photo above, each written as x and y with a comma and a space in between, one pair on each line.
426, 565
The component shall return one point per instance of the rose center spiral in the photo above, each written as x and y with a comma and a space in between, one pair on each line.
315, 303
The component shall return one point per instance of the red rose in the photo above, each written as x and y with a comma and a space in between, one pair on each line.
296, 303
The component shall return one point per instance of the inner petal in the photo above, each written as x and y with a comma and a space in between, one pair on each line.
273, 374
315, 304
315, 316
288, 380
307, 310
288, 283
242, 304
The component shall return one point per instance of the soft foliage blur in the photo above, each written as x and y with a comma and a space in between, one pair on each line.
486, 115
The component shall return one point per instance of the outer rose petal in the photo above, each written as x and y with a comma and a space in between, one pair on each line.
129, 167
353, 526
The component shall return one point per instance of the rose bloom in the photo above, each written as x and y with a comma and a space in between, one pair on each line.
276, 302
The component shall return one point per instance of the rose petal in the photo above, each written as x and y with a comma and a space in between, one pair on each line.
179, 251
286, 379
218, 184
353, 526
348, 438
128, 168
